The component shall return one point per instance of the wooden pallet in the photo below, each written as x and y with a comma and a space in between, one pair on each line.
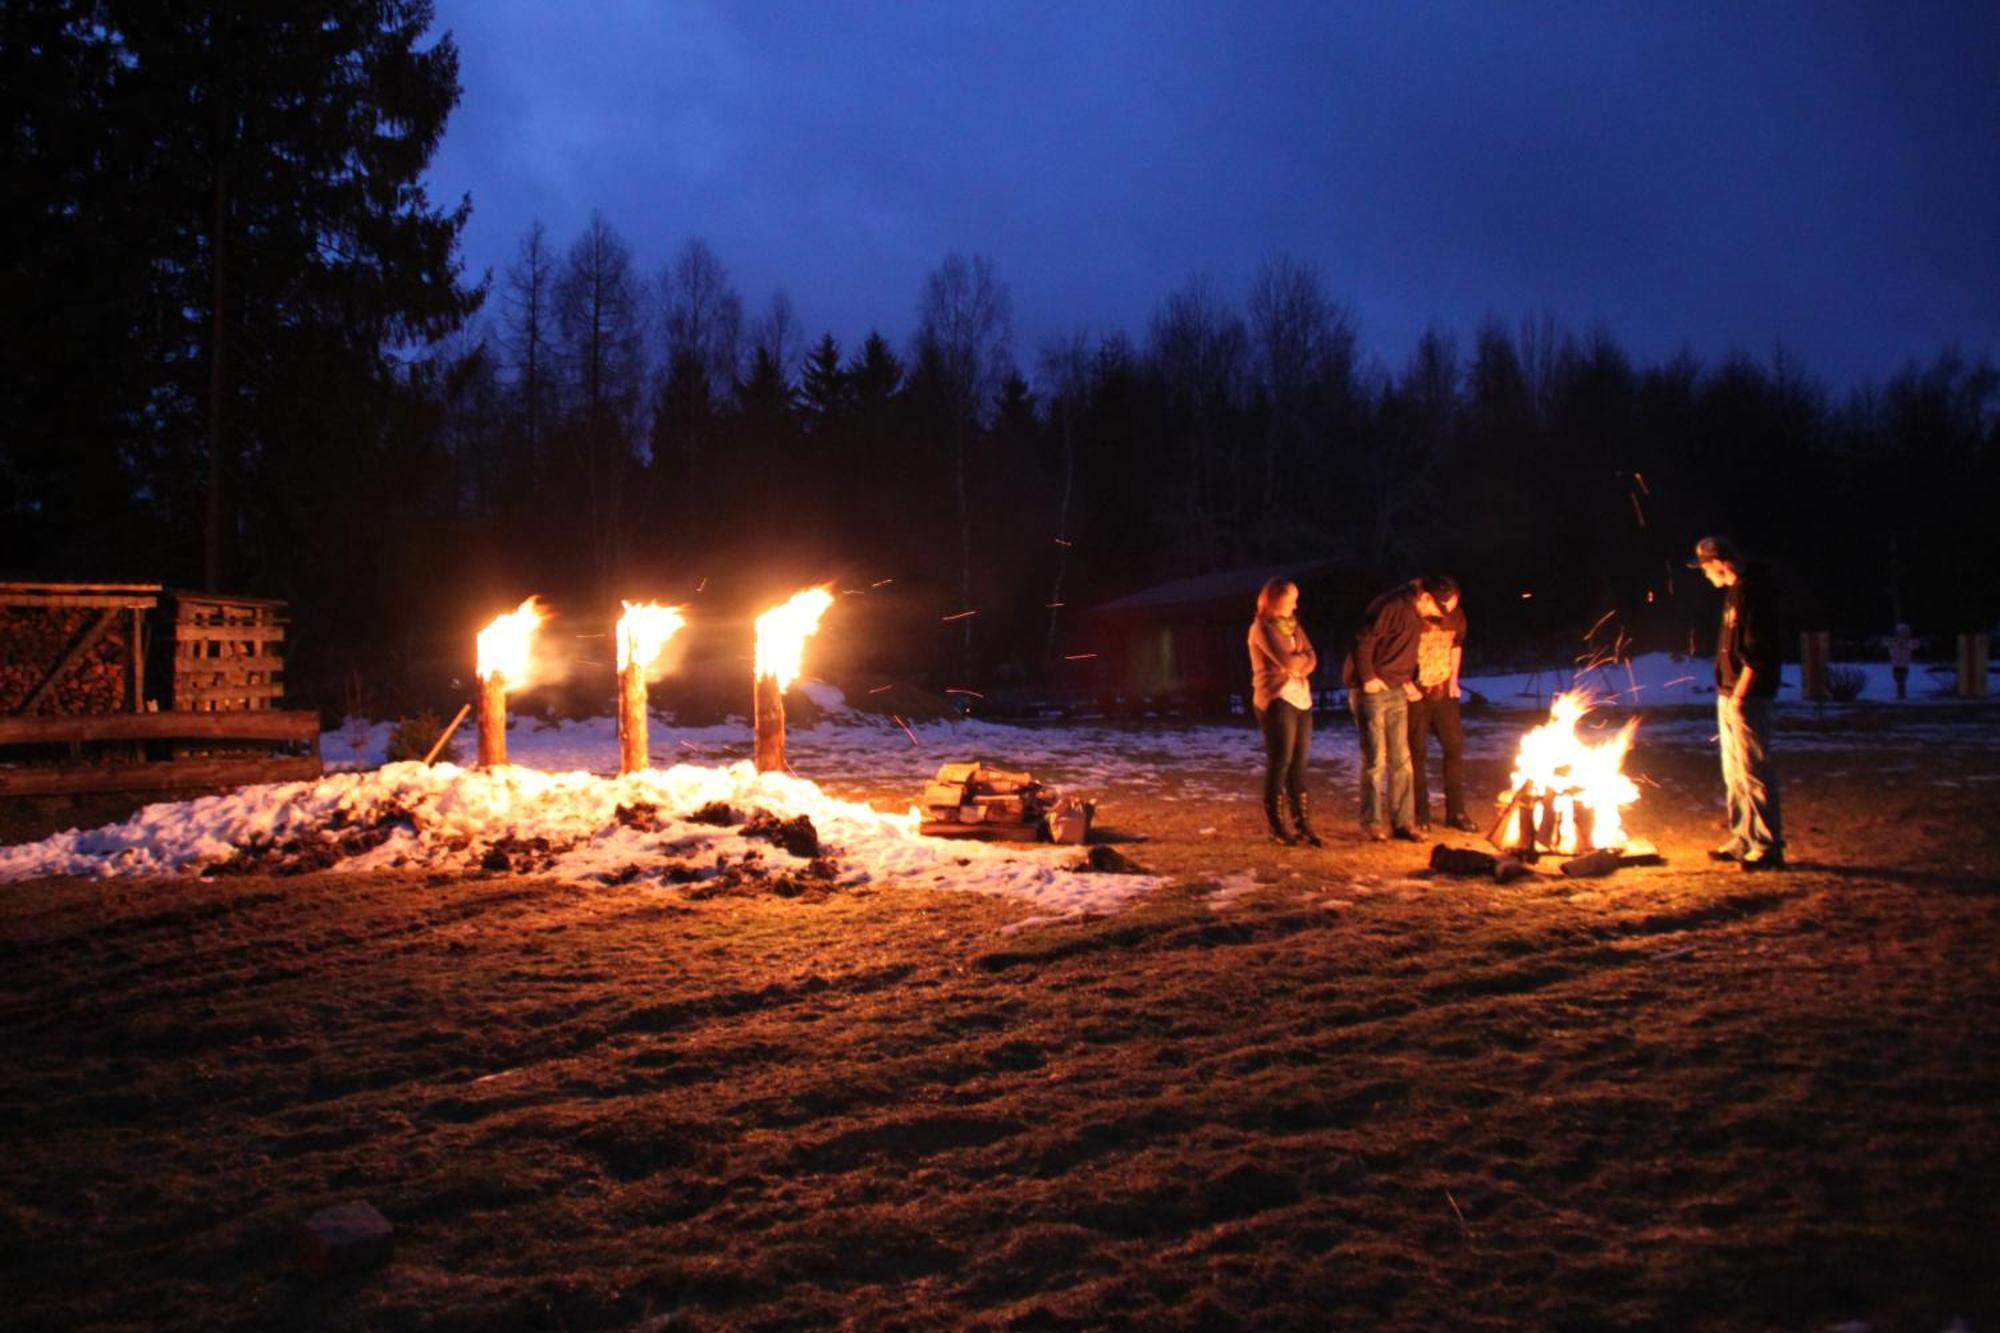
228, 653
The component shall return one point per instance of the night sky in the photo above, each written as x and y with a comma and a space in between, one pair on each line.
1820, 176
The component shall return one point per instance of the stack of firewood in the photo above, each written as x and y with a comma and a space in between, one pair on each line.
971, 800
34, 639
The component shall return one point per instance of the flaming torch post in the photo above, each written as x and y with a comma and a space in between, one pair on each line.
642, 632
781, 640
503, 663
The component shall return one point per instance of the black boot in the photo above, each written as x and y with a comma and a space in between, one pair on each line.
1279, 833
1302, 822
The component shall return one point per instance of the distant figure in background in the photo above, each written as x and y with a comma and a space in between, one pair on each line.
1440, 649
1381, 678
1747, 659
1281, 661
1902, 646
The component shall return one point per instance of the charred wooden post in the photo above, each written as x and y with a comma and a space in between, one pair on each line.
632, 746
768, 711
492, 721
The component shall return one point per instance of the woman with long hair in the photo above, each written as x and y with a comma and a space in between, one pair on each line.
1281, 662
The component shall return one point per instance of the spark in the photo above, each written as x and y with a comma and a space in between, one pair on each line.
1079, 657
882, 689
881, 583
1637, 512
1527, 597
974, 693
702, 586
1051, 606
1591, 633
960, 615
1640, 477
1064, 541
1677, 680
906, 729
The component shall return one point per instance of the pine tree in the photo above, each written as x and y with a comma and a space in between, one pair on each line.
825, 390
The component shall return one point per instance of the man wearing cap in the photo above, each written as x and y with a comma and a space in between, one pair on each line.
1747, 657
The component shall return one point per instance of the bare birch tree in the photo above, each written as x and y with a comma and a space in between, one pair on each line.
965, 329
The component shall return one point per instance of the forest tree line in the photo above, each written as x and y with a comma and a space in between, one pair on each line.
249, 356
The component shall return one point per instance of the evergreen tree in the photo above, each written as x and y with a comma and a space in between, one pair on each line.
825, 390
230, 198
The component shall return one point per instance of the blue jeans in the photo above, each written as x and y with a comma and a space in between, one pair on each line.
1751, 785
1384, 721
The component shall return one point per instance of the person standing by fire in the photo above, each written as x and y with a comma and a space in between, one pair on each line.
1282, 661
1747, 660
1440, 649
1902, 647
1381, 678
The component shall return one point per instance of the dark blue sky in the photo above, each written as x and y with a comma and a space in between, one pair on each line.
1729, 176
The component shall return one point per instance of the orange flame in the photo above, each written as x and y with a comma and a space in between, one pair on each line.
782, 633
1553, 759
506, 642
644, 630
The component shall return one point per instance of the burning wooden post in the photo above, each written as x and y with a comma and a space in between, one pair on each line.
642, 632
781, 643
504, 656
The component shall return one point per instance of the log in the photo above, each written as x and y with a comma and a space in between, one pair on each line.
632, 742
269, 724
1592, 865
1462, 860
156, 776
492, 721
1498, 833
768, 715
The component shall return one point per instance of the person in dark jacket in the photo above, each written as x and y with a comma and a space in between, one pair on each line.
1748, 654
1439, 654
1282, 661
1381, 678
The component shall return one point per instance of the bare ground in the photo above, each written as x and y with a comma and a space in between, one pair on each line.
1355, 1096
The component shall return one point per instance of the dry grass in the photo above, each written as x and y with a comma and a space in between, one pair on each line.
1359, 1097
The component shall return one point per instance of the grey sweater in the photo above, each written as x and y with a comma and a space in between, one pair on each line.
1276, 658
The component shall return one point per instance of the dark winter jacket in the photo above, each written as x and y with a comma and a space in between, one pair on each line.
1386, 646
1751, 635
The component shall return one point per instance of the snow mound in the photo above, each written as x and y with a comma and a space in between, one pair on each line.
689, 825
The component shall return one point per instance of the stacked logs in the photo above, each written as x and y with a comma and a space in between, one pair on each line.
34, 639
971, 800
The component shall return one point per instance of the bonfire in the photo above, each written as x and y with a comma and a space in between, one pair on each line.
1567, 794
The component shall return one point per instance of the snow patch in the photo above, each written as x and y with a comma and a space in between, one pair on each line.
572, 826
